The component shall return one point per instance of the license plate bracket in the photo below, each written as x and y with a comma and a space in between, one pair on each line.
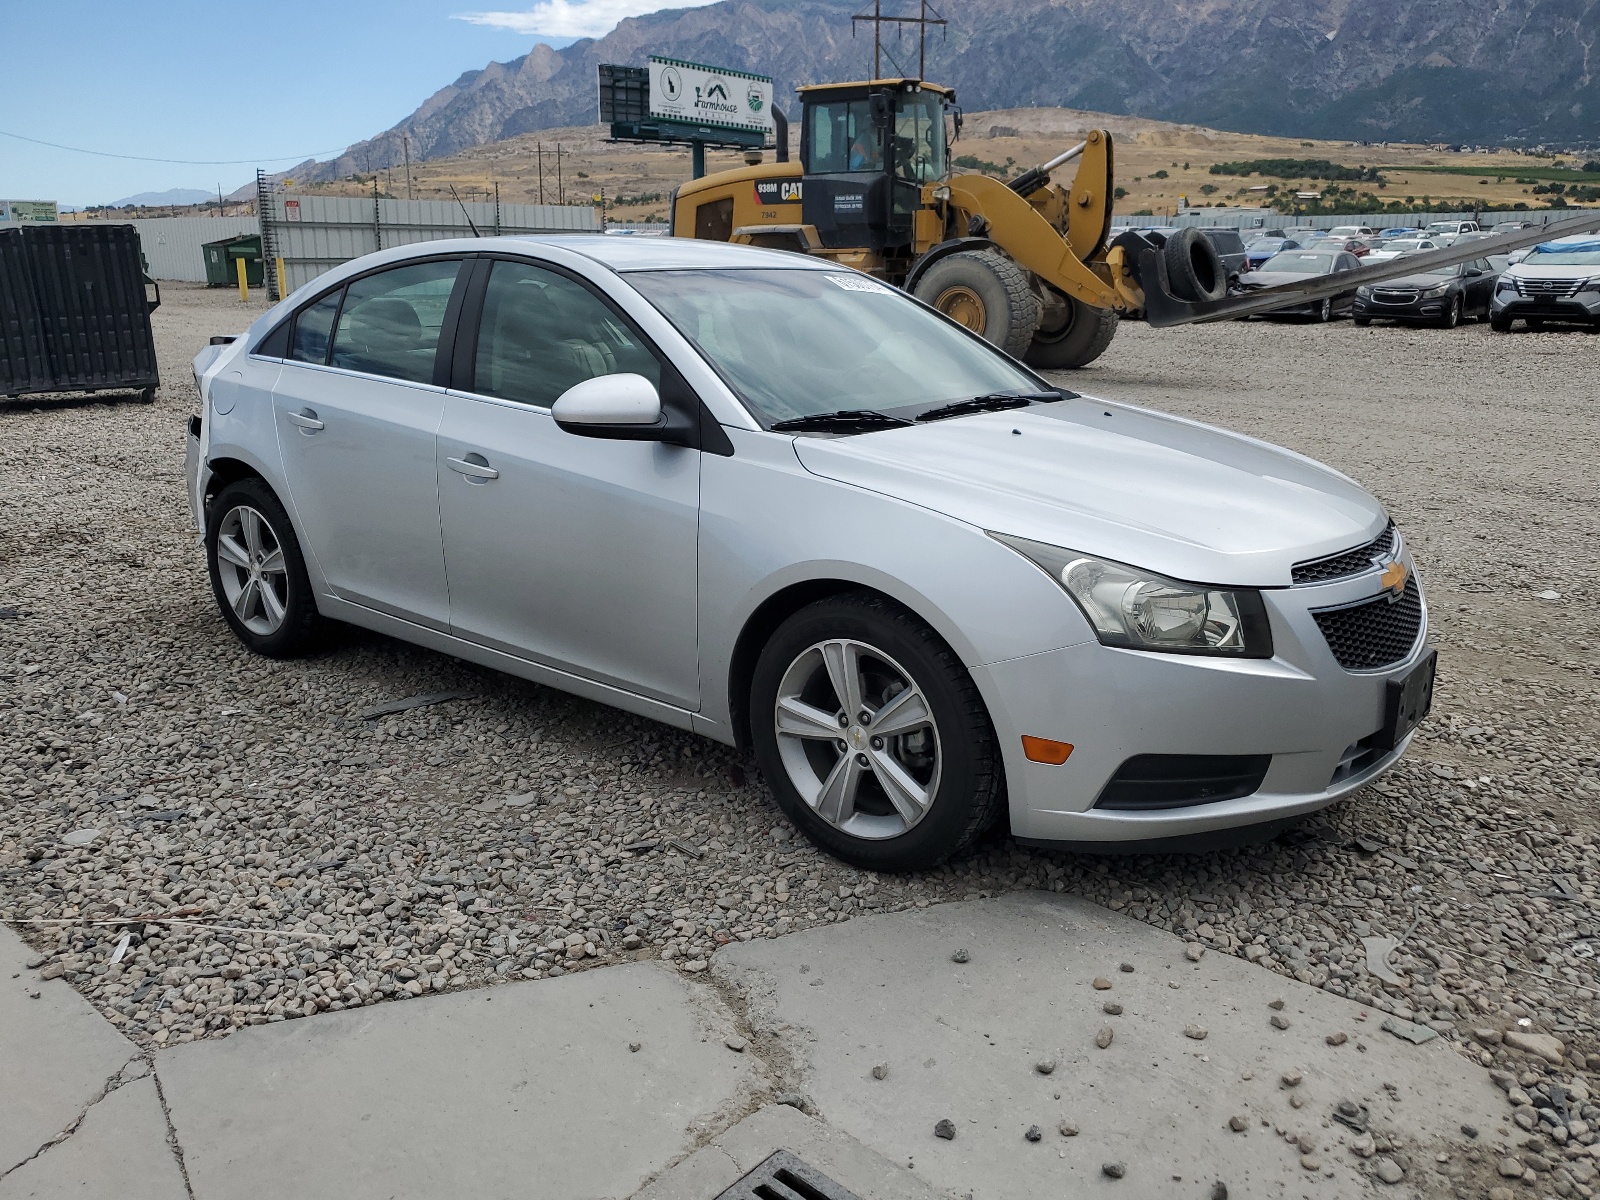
1407, 701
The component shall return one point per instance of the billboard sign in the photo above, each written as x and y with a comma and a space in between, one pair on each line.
27, 210
695, 94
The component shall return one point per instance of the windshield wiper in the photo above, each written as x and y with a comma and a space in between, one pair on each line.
990, 402
845, 420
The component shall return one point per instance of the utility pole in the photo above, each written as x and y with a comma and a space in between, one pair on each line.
541, 172
922, 20
561, 188
405, 142
219, 199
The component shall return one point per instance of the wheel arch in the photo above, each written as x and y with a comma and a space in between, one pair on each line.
233, 464
764, 620
944, 250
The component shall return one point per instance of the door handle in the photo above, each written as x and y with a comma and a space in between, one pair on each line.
306, 418
473, 470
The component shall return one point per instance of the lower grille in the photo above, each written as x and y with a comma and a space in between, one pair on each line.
1155, 781
1374, 633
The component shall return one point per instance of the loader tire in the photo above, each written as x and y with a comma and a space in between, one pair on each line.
987, 293
1082, 338
1194, 268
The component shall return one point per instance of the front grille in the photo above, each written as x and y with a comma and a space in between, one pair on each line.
1394, 297
1154, 781
1373, 633
1346, 562
1542, 288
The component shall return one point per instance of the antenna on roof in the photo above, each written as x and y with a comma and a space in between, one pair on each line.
465, 213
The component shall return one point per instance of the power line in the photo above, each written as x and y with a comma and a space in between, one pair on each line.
187, 162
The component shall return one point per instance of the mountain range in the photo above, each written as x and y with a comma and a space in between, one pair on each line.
1476, 71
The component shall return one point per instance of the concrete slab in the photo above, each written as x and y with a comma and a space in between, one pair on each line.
527, 1089
725, 1160
119, 1152
961, 1042
56, 1054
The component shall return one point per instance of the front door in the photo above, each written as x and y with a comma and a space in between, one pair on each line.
358, 417
576, 552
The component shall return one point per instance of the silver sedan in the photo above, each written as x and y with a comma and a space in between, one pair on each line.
773, 501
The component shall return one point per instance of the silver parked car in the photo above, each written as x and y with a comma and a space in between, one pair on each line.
783, 505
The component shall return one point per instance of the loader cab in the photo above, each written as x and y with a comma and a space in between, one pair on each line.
866, 150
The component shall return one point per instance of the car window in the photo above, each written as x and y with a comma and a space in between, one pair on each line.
390, 321
312, 327
541, 333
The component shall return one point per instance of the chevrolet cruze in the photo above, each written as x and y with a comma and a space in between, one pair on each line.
773, 501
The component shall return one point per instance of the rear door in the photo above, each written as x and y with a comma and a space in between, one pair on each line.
575, 552
358, 414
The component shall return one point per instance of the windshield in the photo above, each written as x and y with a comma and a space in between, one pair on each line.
1443, 227
1296, 263
1570, 254
795, 343
1267, 243
919, 137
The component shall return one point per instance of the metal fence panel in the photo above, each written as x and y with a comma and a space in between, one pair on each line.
172, 245
1248, 219
313, 234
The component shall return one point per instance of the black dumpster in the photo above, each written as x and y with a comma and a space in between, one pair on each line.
74, 313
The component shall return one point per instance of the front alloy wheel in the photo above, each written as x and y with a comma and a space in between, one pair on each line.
252, 571
872, 735
858, 739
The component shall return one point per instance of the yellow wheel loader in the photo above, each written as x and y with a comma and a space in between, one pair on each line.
1029, 264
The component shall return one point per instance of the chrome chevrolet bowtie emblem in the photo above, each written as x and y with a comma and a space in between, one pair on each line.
858, 737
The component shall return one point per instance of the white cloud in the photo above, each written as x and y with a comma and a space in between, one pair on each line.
573, 18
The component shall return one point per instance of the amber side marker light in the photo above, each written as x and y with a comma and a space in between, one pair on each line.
1043, 750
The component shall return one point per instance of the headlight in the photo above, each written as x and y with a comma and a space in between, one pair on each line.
1506, 284
1363, 291
1590, 285
1441, 290
1140, 610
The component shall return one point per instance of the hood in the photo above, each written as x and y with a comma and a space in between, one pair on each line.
1532, 268
1420, 280
1154, 491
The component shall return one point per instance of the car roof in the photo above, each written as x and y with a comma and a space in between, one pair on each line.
659, 253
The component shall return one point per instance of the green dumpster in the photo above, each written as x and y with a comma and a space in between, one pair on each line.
220, 258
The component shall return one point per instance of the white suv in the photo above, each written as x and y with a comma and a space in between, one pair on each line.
1446, 232
1557, 281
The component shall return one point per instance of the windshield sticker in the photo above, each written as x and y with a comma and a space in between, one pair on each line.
859, 283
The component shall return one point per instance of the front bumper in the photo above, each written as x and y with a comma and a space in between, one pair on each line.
1423, 308
196, 474
1583, 308
1300, 707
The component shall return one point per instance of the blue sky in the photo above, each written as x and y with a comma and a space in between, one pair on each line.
179, 79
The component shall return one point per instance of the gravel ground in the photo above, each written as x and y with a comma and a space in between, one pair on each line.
266, 852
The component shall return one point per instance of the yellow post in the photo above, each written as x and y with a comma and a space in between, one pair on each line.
283, 281
244, 288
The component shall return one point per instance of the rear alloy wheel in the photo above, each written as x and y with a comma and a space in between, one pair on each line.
985, 292
257, 572
1082, 336
872, 735
1452, 315
1324, 312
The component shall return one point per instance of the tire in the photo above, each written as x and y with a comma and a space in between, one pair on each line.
277, 617
987, 293
1452, 316
1535, 324
1324, 313
947, 748
1194, 268
1082, 338
1499, 324
1361, 322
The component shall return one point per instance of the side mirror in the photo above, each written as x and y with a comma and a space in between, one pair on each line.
624, 407
1472, 272
879, 105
